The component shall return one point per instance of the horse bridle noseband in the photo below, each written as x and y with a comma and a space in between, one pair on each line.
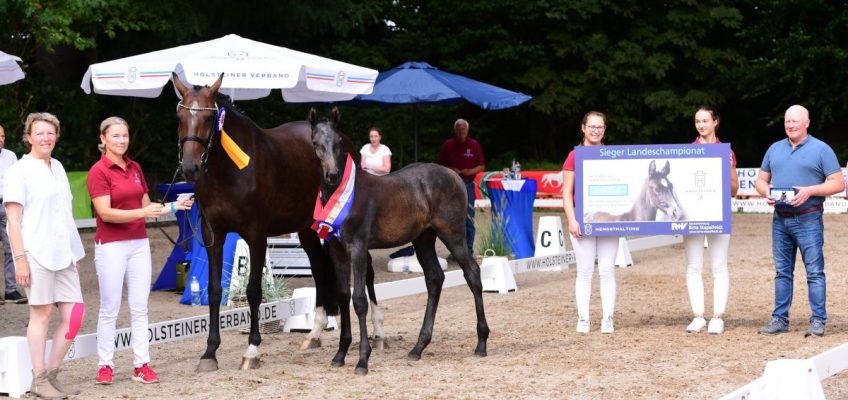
207, 143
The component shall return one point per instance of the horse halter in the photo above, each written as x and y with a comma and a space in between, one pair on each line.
207, 143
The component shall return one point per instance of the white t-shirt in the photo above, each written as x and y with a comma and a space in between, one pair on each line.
374, 160
7, 158
49, 232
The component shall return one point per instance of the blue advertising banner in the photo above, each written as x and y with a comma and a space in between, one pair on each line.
653, 189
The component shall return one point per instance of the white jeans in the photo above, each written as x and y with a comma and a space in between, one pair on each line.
586, 248
717, 246
116, 262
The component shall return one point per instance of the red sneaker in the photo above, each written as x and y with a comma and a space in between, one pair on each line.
145, 374
104, 376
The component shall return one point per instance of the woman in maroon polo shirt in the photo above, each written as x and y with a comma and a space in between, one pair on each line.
121, 248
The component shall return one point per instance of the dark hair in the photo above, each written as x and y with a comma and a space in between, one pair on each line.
580, 135
713, 113
374, 128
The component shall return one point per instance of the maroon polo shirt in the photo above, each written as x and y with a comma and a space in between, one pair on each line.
455, 154
125, 188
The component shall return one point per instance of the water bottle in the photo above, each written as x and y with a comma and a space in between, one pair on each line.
195, 292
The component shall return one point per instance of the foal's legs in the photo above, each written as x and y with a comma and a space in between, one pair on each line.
359, 263
325, 286
341, 263
380, 340
425, 250
471, 272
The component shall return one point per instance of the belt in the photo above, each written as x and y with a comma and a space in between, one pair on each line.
789, 214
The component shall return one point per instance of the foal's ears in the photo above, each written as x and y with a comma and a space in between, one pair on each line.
335, 116
652, 168
313, 116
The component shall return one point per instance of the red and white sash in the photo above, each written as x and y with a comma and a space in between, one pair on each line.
330, 217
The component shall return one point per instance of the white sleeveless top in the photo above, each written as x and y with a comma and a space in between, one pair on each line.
373, 160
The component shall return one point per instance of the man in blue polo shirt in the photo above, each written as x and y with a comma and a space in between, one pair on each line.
810, 167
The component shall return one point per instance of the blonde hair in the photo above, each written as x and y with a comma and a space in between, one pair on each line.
104, 126
39, 116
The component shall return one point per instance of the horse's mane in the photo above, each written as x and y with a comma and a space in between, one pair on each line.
223, 99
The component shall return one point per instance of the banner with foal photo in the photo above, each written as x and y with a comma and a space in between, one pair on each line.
653, 189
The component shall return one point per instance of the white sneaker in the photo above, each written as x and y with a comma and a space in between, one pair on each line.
608, 325
583, 325
697, 324
716, 326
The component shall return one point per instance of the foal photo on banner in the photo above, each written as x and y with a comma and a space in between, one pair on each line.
665, 189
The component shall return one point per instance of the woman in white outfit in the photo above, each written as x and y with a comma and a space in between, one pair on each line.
376, 157
586, 248
47, 249
706, 123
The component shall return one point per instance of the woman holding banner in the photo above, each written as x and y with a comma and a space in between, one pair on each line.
586, 248
706, 123
121, 248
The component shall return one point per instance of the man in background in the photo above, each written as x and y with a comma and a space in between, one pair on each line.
464, 156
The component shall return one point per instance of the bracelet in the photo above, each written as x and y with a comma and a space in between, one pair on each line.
173, 209
20, 255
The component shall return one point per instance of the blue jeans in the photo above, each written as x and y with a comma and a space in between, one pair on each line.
470, 231
804, 232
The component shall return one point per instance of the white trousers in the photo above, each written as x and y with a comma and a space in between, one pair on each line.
118, 262
586, 248
717, 247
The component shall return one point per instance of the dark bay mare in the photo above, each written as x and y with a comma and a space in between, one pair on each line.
657, 194
415, 204
258, 183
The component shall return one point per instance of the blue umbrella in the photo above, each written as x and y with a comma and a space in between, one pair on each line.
419, 82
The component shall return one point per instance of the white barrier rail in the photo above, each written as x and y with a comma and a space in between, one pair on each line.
15, 364
785, 372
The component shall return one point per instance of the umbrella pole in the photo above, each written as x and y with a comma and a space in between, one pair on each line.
415, 132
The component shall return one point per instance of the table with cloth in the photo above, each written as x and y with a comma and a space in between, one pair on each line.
513, 199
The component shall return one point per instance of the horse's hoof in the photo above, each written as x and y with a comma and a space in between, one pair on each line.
310, 344
207, 365
362, 371
249, 363
380, 343
480, 353
337, 363
413, 357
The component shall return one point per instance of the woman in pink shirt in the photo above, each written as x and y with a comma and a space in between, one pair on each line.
121, 249
586, 248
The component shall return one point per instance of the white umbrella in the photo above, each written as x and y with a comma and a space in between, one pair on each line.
10, 71
251, 69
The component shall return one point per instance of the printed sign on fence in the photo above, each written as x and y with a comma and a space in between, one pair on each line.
653, 189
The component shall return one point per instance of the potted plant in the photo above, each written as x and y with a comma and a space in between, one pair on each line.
273, 288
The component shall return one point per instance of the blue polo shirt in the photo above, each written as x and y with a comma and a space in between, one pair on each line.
807, 164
